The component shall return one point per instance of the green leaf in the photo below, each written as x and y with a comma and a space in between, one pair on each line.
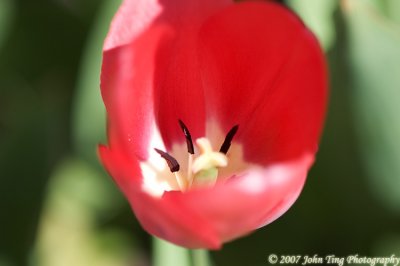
375, 55
318, 15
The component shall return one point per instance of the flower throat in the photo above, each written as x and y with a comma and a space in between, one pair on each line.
203, 169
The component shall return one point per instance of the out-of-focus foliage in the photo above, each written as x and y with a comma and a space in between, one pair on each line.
6, 18
387, 245
39, 56
75, 224
71, 231
318, 15
374, 53
58, 207
89, 120
389, 9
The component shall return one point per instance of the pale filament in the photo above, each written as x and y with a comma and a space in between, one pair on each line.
189, 172
205, 165
182, 181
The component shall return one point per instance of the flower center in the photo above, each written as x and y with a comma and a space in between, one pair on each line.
203, 168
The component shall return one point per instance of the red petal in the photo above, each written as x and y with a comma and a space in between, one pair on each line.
150, 72
247, 202
178, 88
160, 217
262, 69
256, 66
126, 86
208, 217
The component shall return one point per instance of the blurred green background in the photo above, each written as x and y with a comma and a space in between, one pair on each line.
58, 207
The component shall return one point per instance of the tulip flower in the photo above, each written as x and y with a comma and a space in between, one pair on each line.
215, 111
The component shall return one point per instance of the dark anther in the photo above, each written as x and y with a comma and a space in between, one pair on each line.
171, 161
228, 139
188, 137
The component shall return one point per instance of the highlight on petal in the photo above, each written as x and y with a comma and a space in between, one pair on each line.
126, 87
134, 17
233, 94
131, 20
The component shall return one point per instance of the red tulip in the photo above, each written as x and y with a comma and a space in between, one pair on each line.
214, 114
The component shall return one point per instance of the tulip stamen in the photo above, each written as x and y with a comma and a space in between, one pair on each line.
171, 161
228, 139
174, 167
203, 169
190, 148
188, 137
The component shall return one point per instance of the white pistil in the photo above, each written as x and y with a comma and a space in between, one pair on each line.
208, 158
205, 166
